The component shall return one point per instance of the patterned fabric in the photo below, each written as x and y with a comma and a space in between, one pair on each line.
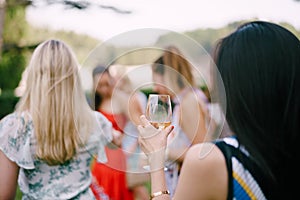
244, 175
37, 180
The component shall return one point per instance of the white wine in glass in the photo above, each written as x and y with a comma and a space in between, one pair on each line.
159, 110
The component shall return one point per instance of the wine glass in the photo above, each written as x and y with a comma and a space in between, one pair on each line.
159, 110
159, 113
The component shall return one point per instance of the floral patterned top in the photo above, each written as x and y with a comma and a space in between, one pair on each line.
37, 180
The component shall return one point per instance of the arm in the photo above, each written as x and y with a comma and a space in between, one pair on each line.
8, 177
153, 143
193, 119
177, 154
129, 104
192, 122
117, 139
203, 174
134, 109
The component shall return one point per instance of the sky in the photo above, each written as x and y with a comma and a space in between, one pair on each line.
162, 15
174, 15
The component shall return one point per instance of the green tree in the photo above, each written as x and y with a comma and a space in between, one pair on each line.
13, 58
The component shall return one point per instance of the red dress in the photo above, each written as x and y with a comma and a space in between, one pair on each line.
111, 176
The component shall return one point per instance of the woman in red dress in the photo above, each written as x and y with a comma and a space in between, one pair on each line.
113, 103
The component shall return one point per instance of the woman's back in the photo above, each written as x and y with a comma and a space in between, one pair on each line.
246, 179
39, 180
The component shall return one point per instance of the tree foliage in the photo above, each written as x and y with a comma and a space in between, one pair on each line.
81, 44
12, 59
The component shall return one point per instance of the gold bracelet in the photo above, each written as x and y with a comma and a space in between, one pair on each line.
156, 194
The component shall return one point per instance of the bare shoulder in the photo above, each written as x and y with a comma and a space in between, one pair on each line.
205, 155
188, 104
204, 173
191, 101
189, 97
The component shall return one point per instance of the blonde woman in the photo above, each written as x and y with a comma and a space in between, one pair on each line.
48, 142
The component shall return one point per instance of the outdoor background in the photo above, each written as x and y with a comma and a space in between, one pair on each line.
84, 25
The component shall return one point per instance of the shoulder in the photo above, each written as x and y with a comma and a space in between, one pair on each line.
190, 104
16, 132
189, 98
102, 122
194, 95
207, 156
100, 118
15, 124
206, 163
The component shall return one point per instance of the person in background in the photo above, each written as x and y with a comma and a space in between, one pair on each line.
47, 143
173, 75
260, 67
114, 105
136, 179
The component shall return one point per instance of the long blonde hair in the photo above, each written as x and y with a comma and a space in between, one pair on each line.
54, 97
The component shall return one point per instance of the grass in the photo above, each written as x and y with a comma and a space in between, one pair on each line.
18, 194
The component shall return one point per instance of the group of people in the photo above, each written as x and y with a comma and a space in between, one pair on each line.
56, 145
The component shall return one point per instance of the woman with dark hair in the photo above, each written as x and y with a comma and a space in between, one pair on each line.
260, 67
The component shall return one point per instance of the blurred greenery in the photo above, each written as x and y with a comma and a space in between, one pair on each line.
18, 194
207, 37
19, 41
12, 59
81, 44
7, 101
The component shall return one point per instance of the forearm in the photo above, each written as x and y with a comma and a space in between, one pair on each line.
158, 184
153, 142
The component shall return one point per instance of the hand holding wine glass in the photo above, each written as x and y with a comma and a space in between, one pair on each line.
153, 142
154, 138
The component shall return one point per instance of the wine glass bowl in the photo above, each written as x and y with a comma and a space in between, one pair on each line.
159, 110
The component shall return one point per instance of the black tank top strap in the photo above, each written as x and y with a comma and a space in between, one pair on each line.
249, 164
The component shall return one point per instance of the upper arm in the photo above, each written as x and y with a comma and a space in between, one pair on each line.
203, 174
193, 119
134, 109
8, 177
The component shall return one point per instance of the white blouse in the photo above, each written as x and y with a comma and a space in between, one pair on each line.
38, 180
